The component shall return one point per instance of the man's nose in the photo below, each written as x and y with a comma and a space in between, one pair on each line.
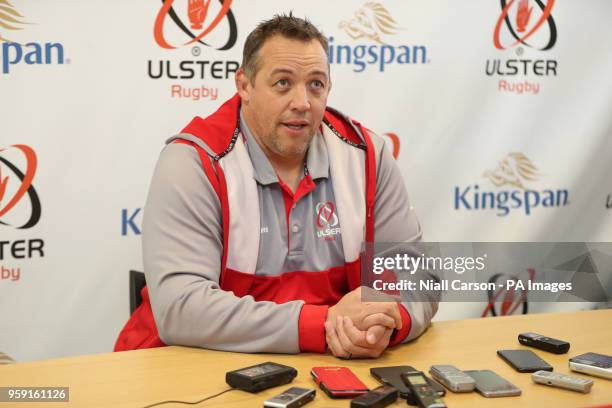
300, 100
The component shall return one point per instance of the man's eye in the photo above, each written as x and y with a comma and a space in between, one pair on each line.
318, 84
282, 83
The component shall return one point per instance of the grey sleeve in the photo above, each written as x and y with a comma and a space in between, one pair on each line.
182, 249
395, 221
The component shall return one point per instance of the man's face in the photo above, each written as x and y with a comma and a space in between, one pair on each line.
284, 105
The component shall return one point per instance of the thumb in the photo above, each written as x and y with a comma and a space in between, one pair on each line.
375, 333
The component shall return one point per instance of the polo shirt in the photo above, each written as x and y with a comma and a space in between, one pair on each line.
300, 238
293, 224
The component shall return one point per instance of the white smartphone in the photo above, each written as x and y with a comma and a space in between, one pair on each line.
595, 364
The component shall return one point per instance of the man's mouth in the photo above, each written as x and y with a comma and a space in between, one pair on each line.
296, 124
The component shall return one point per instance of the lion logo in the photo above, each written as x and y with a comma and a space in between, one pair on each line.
514, 170
371, 21
9, 18
5, 359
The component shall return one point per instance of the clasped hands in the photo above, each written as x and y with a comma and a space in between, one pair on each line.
360, 329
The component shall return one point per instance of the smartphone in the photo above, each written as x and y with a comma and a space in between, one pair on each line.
491, 385
524, 361
391, 376
293, 397
338, 382
377, 398
453, 378
595, 364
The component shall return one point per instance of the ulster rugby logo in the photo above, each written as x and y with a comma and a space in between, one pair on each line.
325, 215
527, 27
519, 20
198, 27
372, 21
197, 24
15, 184
326, 220
395, 144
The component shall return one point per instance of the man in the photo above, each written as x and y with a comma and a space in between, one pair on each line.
256, 217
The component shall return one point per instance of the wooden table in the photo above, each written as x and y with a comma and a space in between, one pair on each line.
138, 378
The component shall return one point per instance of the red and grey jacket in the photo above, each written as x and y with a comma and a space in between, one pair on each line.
242, 306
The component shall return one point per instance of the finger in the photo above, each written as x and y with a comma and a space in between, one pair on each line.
382, 345
347, 344
355, 335
386, 337
332, 341
366, 339
375, 334
390, 309
378, 319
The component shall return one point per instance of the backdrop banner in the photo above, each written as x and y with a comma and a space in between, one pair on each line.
498, 114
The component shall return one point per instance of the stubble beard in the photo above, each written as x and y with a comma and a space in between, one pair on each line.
291, 150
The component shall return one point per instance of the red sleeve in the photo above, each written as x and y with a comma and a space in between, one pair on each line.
399, 335
311, 328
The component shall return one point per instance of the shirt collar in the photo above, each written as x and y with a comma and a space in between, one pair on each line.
263, 171
317, 158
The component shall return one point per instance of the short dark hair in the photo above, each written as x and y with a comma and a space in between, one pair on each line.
287, 26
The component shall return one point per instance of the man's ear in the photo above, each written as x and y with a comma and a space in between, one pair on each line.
243, 85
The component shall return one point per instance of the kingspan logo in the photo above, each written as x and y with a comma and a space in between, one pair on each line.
31, 53
202, 25
511, 176
373, 23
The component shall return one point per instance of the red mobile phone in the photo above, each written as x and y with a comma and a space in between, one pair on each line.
338, 382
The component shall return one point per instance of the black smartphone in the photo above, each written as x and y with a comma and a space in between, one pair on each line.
524, 361
377, 398
391, 376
